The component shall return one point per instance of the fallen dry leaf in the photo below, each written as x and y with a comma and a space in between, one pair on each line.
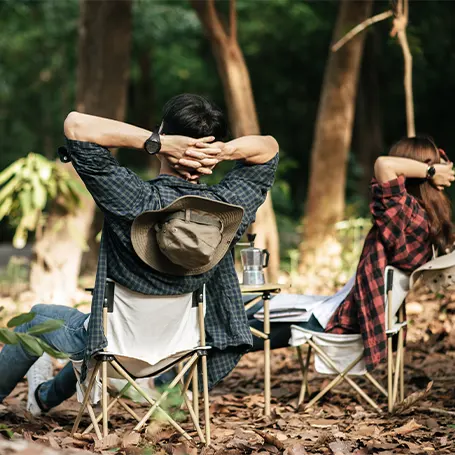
270, 439
131, 439
407, 428
340, 448
296, 449
111, 441
412, 399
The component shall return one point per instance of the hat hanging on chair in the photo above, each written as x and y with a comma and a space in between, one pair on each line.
188, 237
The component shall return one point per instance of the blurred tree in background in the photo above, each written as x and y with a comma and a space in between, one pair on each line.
284, 44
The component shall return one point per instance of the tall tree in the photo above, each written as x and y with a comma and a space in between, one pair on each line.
331, 143
241, 108
102, 77
368, 140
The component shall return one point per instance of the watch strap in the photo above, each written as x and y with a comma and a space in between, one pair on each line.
431, 171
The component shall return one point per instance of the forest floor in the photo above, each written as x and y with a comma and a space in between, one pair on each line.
340, 424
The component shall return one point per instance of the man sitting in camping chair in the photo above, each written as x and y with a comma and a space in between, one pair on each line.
188, 145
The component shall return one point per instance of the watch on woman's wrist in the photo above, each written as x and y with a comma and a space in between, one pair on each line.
431, 171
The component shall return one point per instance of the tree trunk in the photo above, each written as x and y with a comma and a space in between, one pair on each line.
102, 76
332, 139
368, 130
241, 110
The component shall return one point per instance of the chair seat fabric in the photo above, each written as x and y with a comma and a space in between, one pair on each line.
147, 329
342, 349
147, 334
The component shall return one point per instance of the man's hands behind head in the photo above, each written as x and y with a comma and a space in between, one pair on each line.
193, 158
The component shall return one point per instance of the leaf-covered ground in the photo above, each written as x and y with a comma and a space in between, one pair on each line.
341, 424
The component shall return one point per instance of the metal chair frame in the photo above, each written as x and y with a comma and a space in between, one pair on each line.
110, 398
395, 362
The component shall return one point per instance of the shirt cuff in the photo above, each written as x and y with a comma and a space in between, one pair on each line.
395, 187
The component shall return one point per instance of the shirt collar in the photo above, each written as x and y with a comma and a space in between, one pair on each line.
171, 180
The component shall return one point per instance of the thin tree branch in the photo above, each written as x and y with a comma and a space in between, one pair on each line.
410, 122
208, 16
406, 9
233, 20
360, 27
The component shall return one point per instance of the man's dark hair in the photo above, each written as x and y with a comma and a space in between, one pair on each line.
193, 116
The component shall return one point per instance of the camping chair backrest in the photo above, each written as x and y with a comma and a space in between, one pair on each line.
398, 282
142, 330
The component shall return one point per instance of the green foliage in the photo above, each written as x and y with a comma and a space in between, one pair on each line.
5, 430
28, 340
27, 187
285, 43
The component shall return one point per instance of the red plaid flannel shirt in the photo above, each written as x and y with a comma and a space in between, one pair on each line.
399, 237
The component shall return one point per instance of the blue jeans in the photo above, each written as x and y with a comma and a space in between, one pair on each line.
70, 339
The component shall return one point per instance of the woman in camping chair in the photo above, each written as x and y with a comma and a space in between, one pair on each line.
411, 214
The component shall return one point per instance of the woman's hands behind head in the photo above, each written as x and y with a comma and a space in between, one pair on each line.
443, 177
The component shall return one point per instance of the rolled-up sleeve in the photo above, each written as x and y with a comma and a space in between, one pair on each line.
393, 209
247, 185
116, 190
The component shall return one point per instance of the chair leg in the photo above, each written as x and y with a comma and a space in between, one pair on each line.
396, 377
304, 369
342, 376
205, 386
86, 398
134, 384
194, 418
104, 399
195, 383
390, 373
113, 402
94, 422
401, 319
376, 384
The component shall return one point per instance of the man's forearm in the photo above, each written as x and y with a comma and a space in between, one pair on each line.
251, 149
103, 131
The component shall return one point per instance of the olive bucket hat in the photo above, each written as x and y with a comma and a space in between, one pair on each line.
188, 237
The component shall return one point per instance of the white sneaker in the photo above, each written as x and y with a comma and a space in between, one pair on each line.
40, 372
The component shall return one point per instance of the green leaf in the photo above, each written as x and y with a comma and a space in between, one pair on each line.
9, 188
5, 207
6, 431
25, 199
39, 193
51, 351
21, 319
7, 173
30, 344
50, 325
20, 236
8, 337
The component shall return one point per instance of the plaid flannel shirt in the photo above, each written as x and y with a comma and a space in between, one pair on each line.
122, 195
399, 237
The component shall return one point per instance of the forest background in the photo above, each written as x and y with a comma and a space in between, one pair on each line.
124, 59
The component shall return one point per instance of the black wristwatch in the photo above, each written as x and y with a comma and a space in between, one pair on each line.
431, 171
153, 144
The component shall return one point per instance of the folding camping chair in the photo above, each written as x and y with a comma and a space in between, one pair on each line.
342, 355
265, 294
147, 335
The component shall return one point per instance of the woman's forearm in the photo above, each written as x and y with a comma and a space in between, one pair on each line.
103, 131
387, 168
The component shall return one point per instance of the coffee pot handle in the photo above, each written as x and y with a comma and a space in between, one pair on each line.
266, 258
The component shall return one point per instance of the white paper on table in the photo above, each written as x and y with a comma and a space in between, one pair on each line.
291, 307
299, 307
